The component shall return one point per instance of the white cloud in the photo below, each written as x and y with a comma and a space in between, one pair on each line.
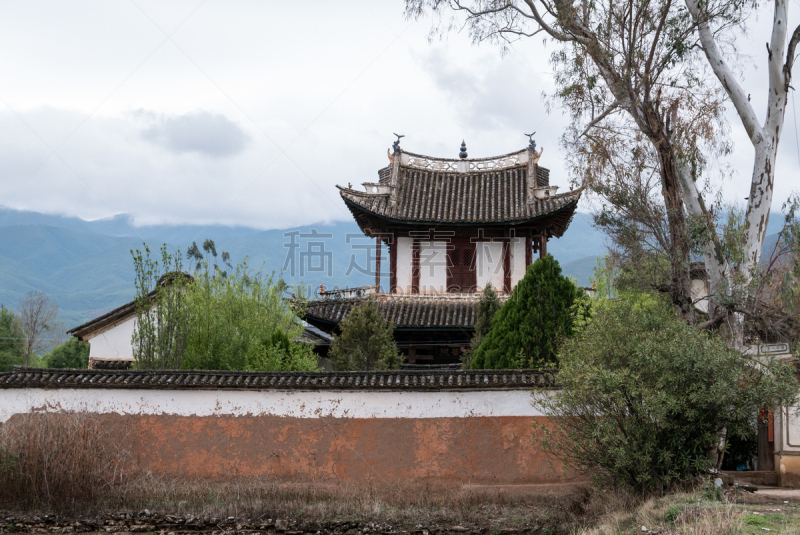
251, 113
199, 131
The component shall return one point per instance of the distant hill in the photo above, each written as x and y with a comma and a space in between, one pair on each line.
86, 266
582, 269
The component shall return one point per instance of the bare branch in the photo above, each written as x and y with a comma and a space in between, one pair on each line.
613, 107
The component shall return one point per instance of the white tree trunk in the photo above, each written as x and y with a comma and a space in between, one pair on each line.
765, 143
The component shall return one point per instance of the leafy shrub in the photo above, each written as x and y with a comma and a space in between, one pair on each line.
644, 396
71, 354
240, 321
672, 513
233, 319
528, 328
365, 341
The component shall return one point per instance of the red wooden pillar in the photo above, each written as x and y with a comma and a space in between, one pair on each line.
528, 251
507, 266
392, 265
377, 263
415, 267
543, 245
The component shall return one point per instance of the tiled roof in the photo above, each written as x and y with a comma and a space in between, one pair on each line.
110, 364
22, 377
444, 311
492, 196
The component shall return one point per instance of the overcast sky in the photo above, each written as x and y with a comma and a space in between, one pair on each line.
249, 113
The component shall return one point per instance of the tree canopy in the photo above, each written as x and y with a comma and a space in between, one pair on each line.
645, 396
528, 329
71, 354
234, 319
646, 84
11, 340
365, 341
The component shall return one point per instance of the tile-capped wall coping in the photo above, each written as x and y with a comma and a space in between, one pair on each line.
23, 377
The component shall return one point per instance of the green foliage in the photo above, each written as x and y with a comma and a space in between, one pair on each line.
240, 321
71, 354
644, 395
365, 341
604, 278
11, 340
527, 330
672, 514
755, 520
488, 306
216, 320
159, 337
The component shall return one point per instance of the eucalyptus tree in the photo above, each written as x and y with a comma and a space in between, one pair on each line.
729, 278
628, 72
640, 79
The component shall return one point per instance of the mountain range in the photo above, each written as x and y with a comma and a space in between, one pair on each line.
87, 269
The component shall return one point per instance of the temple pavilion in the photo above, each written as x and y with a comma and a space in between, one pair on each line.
451, 226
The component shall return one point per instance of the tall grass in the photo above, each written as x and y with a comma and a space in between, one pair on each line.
61, 461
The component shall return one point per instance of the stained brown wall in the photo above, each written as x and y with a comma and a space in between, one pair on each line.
481, 450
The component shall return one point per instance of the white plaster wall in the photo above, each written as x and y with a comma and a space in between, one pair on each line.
114, 343
699, 290
433, 267
787, 429
297, 404
517, 260
404, 264
489, 264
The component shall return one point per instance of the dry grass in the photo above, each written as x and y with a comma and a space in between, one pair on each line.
400, 505
688, 512
58, 461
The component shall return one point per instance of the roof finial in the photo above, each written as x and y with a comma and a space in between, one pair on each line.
463, 153
396, 144
531, 142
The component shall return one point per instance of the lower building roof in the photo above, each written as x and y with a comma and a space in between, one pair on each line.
444, 311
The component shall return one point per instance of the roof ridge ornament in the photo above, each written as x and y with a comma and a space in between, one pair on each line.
396, 144
531, 142
463, 153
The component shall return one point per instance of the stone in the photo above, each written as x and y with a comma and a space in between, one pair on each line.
281, 525
718, 483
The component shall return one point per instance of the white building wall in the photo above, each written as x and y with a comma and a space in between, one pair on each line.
404, 264
433, 267
489, 264
114, 343
296, 404
517, 260
699, 291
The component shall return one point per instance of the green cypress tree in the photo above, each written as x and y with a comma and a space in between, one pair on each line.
10, 341
365, 341
488, 306
526, 331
